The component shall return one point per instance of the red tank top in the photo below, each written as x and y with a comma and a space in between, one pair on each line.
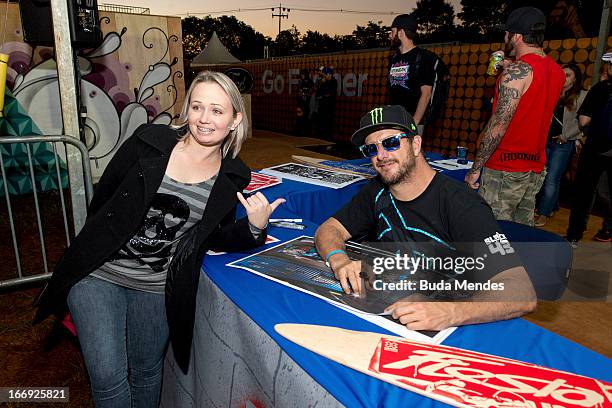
523, 147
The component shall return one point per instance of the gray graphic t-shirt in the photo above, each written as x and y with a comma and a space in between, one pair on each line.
142, 263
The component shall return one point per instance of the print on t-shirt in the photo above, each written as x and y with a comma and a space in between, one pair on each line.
152, 244
400, 73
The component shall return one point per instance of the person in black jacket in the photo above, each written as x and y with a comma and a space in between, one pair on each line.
130, 277
326, 104
595, 117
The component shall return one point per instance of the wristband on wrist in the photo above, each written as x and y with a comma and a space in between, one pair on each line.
334, 252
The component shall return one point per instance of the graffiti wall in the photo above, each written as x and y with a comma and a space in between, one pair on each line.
135, 76
362, 84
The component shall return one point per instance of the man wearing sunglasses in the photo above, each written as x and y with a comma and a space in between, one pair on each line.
411, 202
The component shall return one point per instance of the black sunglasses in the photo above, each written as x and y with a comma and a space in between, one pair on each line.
390, 144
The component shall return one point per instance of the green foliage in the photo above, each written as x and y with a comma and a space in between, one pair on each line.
313, 42
483, 18
436, 20
287, 42
239, 38
373, 35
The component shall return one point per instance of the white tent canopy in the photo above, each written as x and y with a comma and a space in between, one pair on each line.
214, 53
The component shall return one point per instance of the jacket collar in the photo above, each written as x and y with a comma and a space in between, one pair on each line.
161, 137
237, 171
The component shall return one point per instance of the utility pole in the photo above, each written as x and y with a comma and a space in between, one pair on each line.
66, 72
282, 12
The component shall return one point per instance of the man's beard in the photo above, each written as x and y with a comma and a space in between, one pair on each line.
403, 174
395, 43
509, 48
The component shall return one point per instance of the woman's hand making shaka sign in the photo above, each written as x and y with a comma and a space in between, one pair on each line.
258, 208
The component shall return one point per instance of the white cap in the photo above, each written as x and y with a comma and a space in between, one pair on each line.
607, 57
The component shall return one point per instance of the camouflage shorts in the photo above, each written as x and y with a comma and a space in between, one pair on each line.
511, 195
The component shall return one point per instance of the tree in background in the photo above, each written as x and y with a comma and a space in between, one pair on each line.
373, 35
287, 42
573, 18
436, 20
482, 19
313, 42
589, 13
193, 36
239, 38
346, 42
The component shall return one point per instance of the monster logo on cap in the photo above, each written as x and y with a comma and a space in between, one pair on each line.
376, 115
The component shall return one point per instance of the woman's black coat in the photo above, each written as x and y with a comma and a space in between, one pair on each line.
120, 203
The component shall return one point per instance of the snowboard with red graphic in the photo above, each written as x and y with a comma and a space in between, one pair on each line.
452, 375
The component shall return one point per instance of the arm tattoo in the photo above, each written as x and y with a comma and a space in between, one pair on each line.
505, 107
518, 70
507, 102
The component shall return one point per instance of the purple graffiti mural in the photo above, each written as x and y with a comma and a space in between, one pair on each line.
114, 108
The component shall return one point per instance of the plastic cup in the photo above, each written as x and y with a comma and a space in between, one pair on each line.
462, 155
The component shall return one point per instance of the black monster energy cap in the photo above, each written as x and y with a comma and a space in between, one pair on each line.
384, 117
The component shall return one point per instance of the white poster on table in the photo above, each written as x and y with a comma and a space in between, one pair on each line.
312, 175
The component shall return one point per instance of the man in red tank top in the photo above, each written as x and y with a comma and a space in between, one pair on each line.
512, 155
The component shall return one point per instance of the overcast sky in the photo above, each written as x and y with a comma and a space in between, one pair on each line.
262, 21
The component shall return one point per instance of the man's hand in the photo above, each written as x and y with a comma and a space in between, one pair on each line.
471, 178
579, 145
518, 297
347, 272
424, 315
331, 236
505, 63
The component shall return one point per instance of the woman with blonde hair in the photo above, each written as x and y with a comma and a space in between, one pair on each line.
563, 138
130, 277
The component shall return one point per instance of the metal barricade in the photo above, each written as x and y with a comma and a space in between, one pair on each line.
27, 142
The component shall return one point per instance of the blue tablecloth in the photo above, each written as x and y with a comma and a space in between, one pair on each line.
268, 303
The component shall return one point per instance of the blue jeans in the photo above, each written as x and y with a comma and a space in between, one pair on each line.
557, 157
123, 335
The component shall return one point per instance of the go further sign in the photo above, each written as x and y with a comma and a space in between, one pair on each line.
349, 84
